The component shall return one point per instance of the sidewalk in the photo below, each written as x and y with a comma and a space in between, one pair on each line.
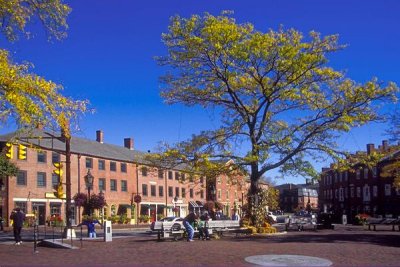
346, 246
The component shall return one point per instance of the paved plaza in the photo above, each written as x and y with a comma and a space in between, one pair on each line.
347, 246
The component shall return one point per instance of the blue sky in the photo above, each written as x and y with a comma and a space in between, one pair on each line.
108, 58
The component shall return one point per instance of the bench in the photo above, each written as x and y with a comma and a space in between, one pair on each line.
176, 230
383, 221
168, 229
300, 223
221, 226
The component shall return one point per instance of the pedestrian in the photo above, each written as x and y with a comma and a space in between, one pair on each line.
218, 215
235, 216
188, 221
18, 218
91, 226
203, 226
1, 224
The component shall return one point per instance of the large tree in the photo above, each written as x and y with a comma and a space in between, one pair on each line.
278, 100
24, 96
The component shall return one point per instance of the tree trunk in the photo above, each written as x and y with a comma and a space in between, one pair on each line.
252, 195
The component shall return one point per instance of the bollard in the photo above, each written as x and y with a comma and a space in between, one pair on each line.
107, 231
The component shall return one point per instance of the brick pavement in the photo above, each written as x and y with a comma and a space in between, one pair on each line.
350, 246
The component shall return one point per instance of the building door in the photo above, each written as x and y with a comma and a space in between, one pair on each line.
40, 210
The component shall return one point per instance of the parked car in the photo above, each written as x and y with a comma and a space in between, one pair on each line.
272, 216
178, 220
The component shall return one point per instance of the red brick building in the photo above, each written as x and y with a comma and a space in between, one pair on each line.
361, 189
120, 173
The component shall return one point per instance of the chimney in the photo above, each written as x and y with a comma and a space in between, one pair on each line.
385, 145
128, 143
99, 136
370, 148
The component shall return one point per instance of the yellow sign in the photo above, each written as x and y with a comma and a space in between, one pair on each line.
52, 195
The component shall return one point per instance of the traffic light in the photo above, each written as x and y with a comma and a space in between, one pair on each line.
60, 191
21, 152
58, 170
9, 150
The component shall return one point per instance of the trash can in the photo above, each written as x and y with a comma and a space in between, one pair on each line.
107, 228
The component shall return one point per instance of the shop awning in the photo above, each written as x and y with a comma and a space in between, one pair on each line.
193, 204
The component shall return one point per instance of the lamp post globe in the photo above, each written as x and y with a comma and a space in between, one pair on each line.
89, 178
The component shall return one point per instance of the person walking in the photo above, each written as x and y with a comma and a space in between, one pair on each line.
188, 221
18, 218
91, 226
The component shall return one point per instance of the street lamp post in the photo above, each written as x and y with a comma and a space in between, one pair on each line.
89, 183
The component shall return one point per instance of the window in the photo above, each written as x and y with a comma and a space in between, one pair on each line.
358, 192
366, 193
55, 180
144, 171
346, 193
183, 177
191, 192
153, 190
113, 166
102, 165
144, 189
89, 163
177, 191
55, 208
170, 175
374, 172
358, 172
170, 191
113, 185
336, 176
219, 180
21, 178
336, 194
160, 174
41, 179
366, 173
375, 191
55, 157
351, 192
124, 186
41, 156
160, 191
123, 167
201, 179
177, 175
345, 176
340, 177
201, 193
388, 190
102, 184
219, 194
191, 178
183, 192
